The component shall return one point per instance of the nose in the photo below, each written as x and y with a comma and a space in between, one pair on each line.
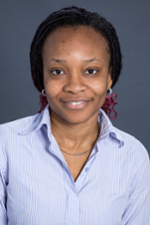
75, 84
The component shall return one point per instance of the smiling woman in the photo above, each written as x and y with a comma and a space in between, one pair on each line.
68, 164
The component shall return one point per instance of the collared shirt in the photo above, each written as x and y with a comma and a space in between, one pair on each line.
37, 188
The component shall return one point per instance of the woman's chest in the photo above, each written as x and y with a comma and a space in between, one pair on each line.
47, 195
62, 205
41, 191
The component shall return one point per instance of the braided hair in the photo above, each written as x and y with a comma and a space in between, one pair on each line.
74, 16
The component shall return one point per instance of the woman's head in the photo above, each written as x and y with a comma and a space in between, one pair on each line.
77, 73
73, 17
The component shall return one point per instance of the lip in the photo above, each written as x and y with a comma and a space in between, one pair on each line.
75, 100
82, 105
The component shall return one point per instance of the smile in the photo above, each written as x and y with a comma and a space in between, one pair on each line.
76, 104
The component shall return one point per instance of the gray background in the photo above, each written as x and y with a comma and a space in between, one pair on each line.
131, 18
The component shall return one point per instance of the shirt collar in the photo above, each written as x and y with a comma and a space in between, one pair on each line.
43, 118
107, 129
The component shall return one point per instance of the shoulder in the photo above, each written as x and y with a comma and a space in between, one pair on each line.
18, 125
136, 173
122, 142
136, 164
9, 134
132, 147
128, 139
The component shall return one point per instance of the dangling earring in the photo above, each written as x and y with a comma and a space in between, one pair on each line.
43, 92
109, 92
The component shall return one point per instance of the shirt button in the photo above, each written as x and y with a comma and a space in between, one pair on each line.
86, 169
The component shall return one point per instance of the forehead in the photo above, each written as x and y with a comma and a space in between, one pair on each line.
76, 36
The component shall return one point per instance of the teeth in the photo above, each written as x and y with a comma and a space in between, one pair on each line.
76, 103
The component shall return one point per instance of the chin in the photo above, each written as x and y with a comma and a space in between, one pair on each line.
79, 119
75, 117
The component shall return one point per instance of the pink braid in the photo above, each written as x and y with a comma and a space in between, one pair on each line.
109, 104
43, 102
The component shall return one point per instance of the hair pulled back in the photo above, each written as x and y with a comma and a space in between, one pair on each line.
72, 16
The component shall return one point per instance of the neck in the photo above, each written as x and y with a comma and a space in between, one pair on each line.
75, 138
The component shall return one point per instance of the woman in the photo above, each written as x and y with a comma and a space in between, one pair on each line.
68, 164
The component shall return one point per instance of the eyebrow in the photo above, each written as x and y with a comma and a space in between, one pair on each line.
57, 60
91, 60
61, 60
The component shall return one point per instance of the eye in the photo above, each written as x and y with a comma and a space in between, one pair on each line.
91, 71
57, 72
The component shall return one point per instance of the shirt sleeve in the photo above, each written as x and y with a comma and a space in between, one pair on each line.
3, 177
138, 209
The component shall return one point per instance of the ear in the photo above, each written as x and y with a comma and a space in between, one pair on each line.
110, 81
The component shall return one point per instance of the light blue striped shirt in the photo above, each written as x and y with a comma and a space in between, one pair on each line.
37, 188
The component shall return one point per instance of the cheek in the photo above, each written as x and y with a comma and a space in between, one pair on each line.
100, 88
51, 89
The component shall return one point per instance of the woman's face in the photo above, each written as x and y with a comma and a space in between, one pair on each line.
76, 73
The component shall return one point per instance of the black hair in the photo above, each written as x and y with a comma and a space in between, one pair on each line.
73, 16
